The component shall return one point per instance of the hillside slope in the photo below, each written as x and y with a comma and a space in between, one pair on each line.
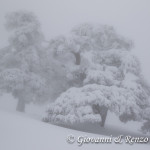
19, 132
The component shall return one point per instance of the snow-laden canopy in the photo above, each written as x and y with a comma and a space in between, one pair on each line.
75, 105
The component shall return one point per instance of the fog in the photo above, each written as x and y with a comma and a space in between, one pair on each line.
88, 81
130, 18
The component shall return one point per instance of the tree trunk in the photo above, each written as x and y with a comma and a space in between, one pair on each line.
103, 112
21, 106
77, 57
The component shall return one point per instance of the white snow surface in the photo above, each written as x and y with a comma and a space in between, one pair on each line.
26, 131
19, 132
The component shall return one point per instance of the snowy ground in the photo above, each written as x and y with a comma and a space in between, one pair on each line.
20, 131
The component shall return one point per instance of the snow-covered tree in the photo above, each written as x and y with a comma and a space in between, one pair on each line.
83, 40
25, 29
21, 62
111, 80
28, 69
26, 87
91, 101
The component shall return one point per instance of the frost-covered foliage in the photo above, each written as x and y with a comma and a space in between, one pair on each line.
25, 29
75, 105
20, 63
99, 37
107, 76
86, 43
28, 69
21, 84
93, 69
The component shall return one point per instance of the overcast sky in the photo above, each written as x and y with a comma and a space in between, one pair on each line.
130, 18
